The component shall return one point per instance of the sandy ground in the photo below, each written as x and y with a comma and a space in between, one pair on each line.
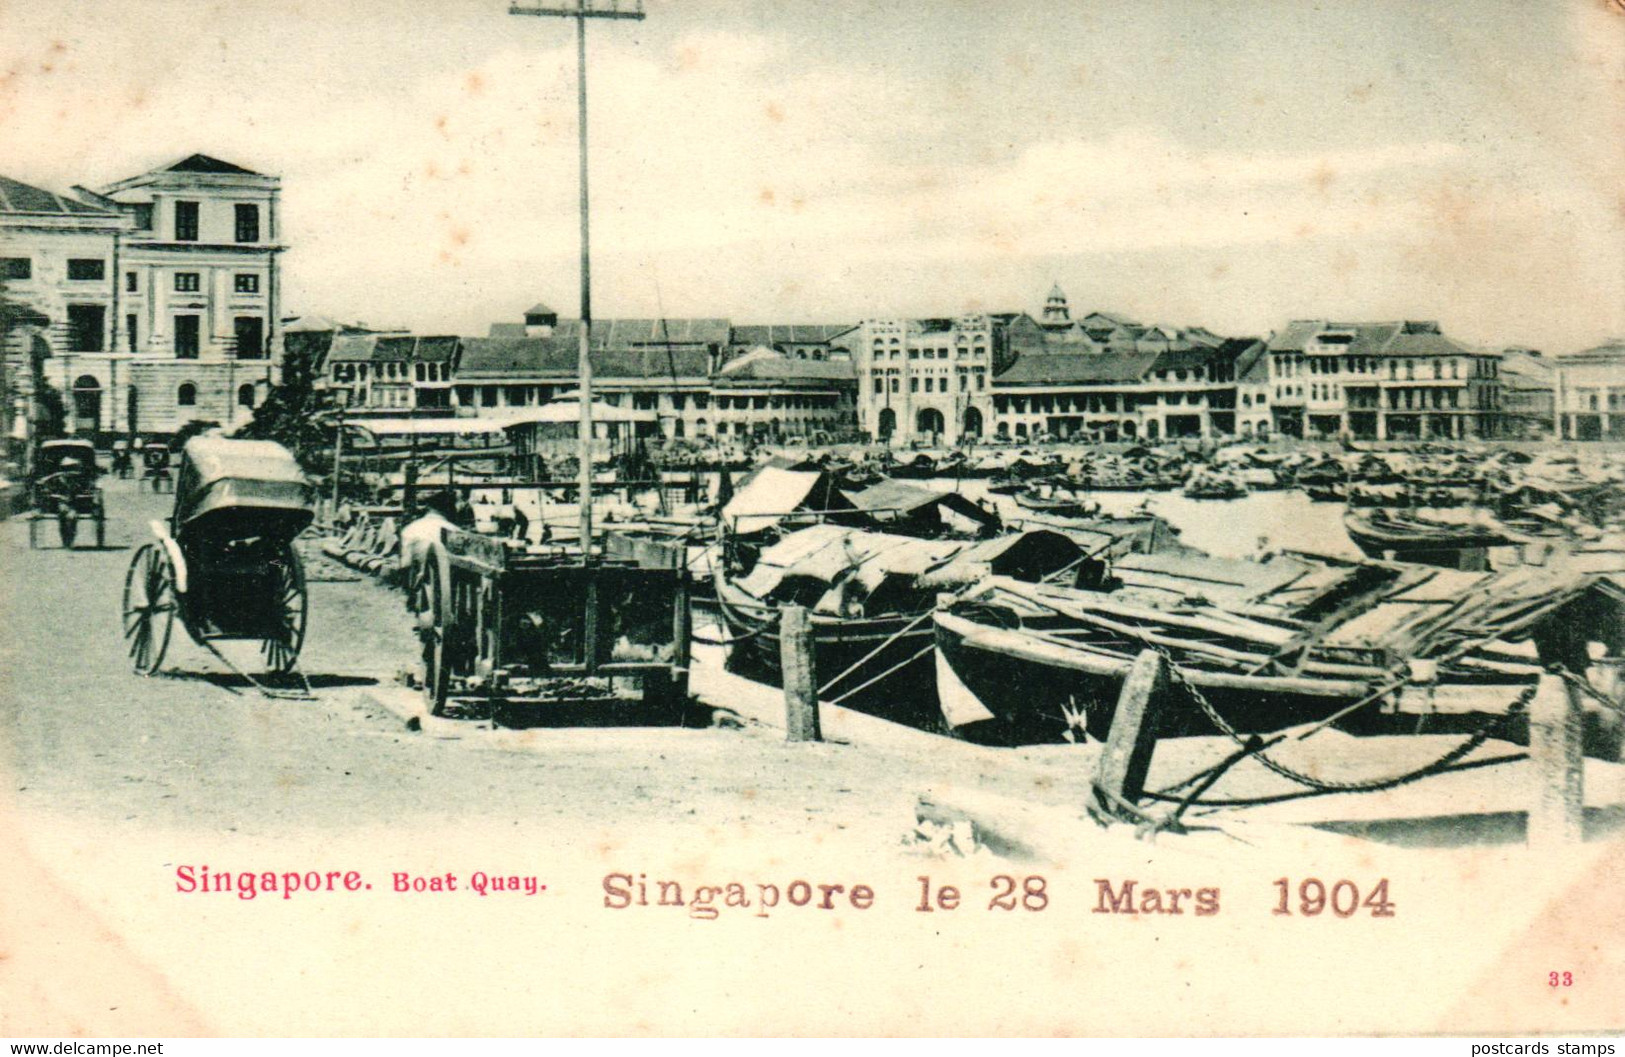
112, 781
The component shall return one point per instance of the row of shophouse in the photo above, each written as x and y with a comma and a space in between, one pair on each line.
1009, 376
155, 301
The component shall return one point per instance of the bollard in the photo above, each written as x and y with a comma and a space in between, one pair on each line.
800, 675
1555, 723
1126, 758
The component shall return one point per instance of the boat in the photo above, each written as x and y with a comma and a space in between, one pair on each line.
1073, 506
1268, 645
871, 595
1208, 485
1382, 533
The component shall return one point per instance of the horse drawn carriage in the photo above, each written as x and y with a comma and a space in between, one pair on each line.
224, 562
63, 487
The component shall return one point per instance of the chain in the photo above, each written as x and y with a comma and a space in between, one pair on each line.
1332, 786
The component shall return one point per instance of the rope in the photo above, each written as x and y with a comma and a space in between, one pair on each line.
1584, 686
866, 658
894, 668
1471, 743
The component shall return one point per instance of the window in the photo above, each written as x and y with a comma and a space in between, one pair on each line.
913, 385
894, 385
880, 384
187, 330
245, 396
130, 323
185, 221
85, 269
16, 268
248, 222
246, 283
250, 334
87, 327
186, 395
187, 282
131, 283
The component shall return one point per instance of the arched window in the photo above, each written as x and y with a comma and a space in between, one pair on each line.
186, 395
245, 395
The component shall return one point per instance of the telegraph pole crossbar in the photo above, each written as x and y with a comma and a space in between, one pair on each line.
581, 12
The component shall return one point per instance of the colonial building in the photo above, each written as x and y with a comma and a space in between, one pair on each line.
495, 375
769, 394
1381, 381
1058, 391
161, 292
1528, 404
1253, 390
1590, 393
389, 373
928, 380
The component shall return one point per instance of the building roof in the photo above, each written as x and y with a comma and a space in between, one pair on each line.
541, 308
789, 333
1251, 363
622, 333
1038, 366
767, 365
554, 357
1608, 352
391, 348
18, 197
1395, 338
202, 163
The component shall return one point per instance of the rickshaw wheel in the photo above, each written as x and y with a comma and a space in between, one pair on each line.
281, 651
67, 528
149, 607
429, 603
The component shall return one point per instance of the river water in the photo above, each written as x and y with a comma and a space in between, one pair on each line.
1225, 528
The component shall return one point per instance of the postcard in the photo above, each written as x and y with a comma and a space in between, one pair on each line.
633, 518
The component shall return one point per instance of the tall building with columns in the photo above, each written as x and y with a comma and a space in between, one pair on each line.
159, 294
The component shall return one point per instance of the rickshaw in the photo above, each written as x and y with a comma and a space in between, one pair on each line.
63, 486
224, 561
155, 466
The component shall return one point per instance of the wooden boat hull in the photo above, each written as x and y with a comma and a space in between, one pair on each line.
1380, 539
907, 696
1002, 686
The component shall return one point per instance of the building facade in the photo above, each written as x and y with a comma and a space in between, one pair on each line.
1589, 393
927, 380
161, 293
1528, 399
1381, 381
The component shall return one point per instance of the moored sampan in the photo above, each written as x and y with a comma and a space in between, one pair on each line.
224, 562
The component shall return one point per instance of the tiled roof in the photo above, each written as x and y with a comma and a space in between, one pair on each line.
555, 358
1372, 339
766, 365
391, 348
18, 197
506, 330
1183, 359
1035, 367
620, 333
788, 334
540, 309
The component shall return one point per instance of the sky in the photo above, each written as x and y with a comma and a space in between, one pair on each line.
1186, 162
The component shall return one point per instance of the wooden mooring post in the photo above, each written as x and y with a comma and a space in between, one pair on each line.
1126, 759
800, 675
1556, 726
